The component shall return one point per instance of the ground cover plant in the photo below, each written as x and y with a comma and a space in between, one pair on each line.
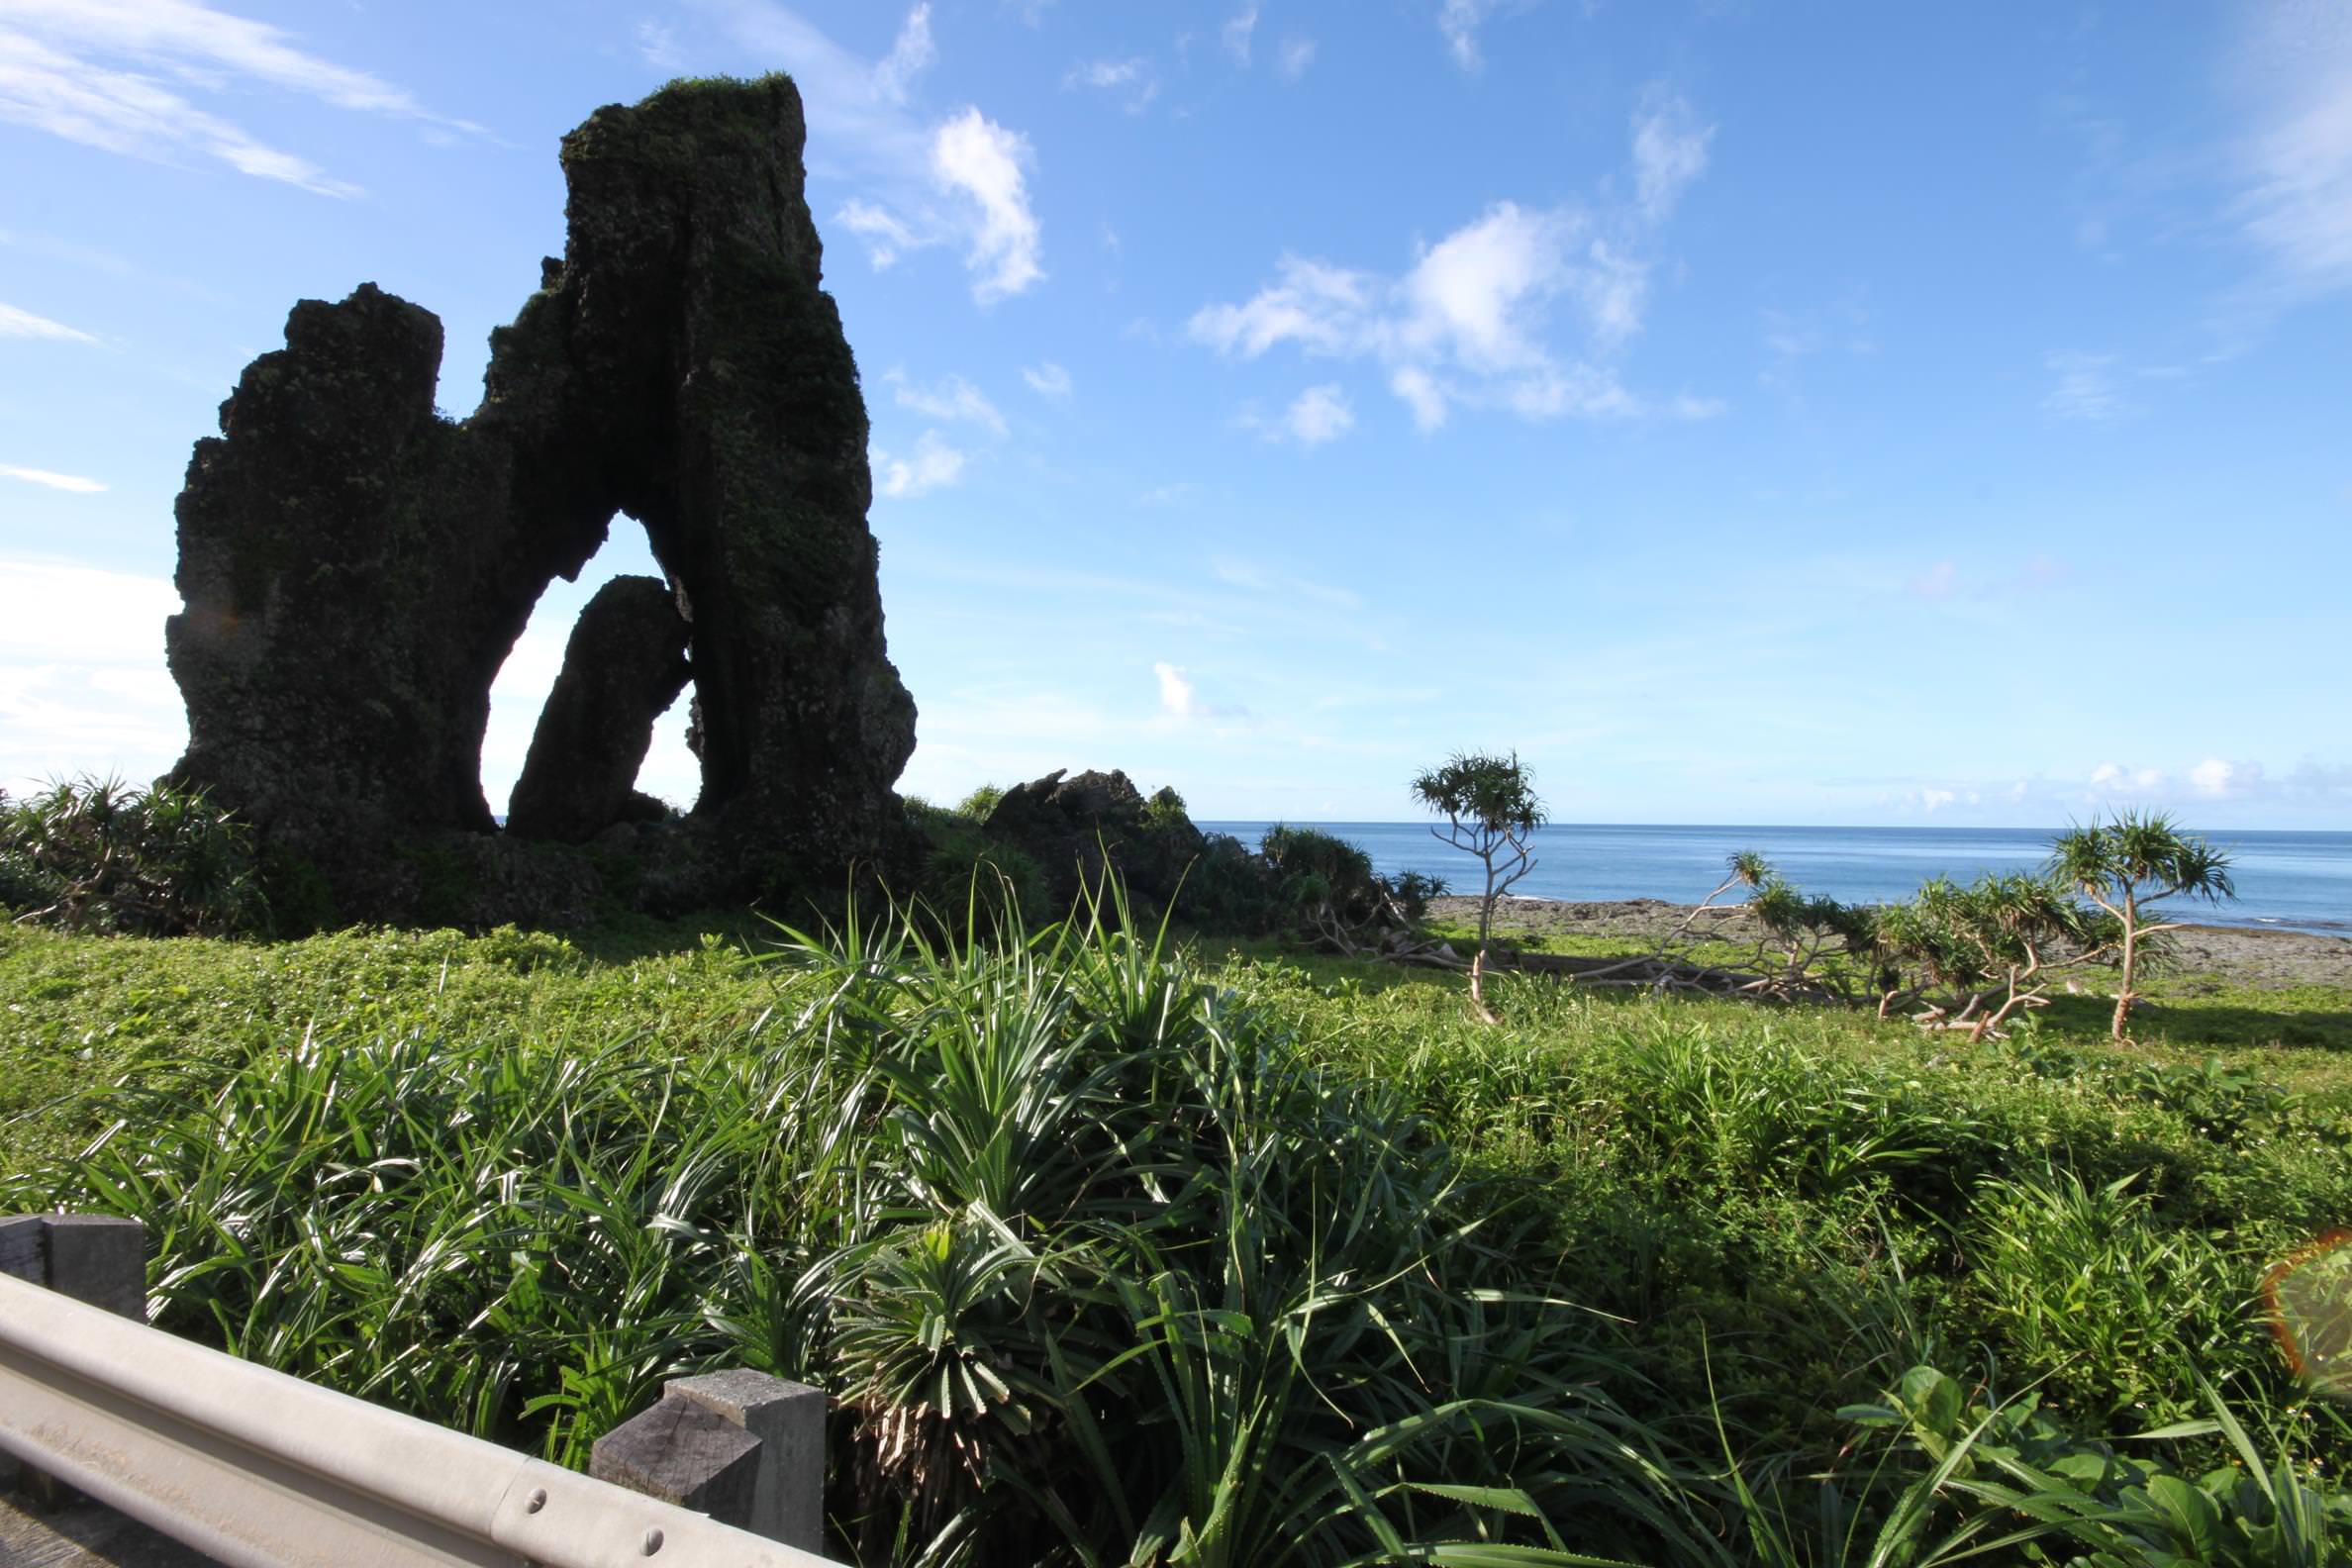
1112, 1251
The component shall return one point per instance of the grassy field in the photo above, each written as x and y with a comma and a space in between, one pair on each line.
1110, 1253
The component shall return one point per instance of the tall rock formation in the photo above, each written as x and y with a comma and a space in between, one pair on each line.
356, 567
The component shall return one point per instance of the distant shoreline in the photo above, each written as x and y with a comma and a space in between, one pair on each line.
2268, 957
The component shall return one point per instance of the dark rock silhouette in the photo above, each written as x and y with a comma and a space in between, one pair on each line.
625, 664
356, 566
1073, 828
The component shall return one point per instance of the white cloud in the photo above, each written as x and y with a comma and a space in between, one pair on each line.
935, 465
53, 79
1934, 799
1295, 55
1236, 33
1473, 292
1468, 319
952, 398
1459, 20
1047, 379
973, 154
1318, 415
15, 322
908, 58
1177, 699
2085, 389
2215, 779
1469, 323
55, 481
2112, 778
1669, 152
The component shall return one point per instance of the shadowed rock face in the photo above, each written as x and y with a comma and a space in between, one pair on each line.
356, 567
625, 664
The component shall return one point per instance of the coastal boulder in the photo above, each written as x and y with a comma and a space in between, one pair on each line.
357, 566
1074, 827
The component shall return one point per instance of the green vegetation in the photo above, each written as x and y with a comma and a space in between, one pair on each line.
1110, 1251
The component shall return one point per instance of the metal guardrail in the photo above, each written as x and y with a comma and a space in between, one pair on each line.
258, 1469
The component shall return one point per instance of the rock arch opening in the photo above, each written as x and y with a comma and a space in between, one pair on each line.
597, 697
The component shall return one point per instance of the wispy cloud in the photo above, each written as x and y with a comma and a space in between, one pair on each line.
1238, 32
1669, 152
2085, 388
1295, 55
51, 480
1047, 379
1261, 579
909, 58
1317, 415
1132, 79
15, 322
80, 69
887, 236
2296, 202
1459, 20
657, 45
1948, 581
932, 465
953, 399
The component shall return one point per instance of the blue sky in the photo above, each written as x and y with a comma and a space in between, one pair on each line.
1749, 413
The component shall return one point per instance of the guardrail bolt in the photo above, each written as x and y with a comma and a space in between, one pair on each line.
652, 1541
537, 1501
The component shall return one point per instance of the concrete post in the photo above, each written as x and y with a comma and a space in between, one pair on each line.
744, 1447
24, 1248
681, 1454
100, 1260
96, 1258
788, 1418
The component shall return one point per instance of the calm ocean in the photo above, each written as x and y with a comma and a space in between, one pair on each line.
2301, 881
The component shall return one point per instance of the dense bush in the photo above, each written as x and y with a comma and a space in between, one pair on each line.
99, 855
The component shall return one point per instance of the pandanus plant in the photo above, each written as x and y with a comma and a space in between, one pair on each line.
2129, 865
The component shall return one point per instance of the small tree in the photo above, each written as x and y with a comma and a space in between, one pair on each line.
1490, 811
2129, 864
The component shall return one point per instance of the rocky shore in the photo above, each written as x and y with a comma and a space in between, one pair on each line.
2236, 954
